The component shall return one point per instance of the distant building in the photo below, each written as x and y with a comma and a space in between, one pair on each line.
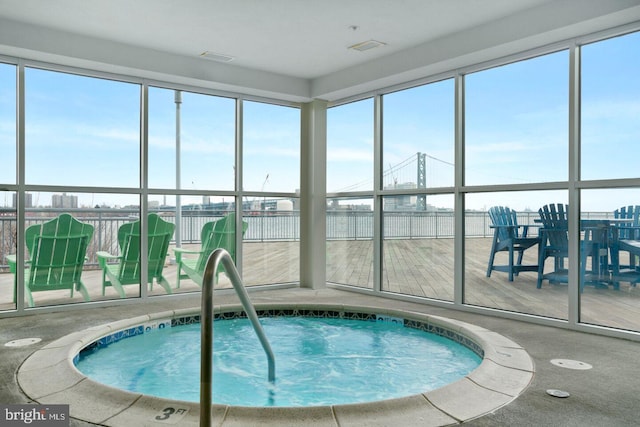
28, 200
400, 202
64, 201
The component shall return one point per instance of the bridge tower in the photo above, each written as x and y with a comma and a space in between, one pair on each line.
421, 202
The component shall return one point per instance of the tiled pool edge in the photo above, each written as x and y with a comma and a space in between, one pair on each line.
505, 372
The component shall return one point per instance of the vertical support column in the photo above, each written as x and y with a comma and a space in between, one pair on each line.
144, 195
238, 168
574, 192
20, 193
378, 202
459, 205
313, 183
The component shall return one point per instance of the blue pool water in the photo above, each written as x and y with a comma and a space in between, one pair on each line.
318, 362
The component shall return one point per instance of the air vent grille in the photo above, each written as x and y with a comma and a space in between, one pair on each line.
369, 44
219, 57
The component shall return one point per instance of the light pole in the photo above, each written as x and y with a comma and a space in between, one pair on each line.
178, 234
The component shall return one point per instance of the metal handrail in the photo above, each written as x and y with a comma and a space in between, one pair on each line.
206, 326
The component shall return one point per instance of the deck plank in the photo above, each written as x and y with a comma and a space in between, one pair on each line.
416, 267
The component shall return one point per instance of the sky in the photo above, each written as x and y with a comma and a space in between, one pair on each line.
86, 131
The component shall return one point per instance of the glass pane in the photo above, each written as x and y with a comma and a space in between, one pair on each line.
418, 248
487, 281
516, 121
610, 251
8, 246
350, 147
206, 141
271, 147
65, 259
610, 108
350, 242
81, 130
418, 137
8, 124
271, 244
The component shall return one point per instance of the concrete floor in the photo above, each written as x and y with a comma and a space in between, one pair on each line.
607, 394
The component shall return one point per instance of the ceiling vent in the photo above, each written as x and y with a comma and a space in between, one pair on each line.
216, 56
369, 44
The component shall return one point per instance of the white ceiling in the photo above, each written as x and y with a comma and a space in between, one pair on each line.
292, 49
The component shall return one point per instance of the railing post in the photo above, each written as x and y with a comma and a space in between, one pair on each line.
100, 232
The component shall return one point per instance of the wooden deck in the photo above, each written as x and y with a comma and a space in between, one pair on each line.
418, 267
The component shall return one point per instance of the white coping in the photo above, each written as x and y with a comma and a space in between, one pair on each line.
49, 376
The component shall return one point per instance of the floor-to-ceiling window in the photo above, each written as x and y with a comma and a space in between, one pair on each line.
100, 151
516, 132
81, 157
610, 132
350, 222
191, 156
271, 185
417, 158
564, 190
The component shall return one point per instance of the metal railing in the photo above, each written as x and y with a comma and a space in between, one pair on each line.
267, 226
206, 327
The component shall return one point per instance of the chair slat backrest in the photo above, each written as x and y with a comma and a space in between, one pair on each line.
160, 233
504, 216
555, 224
57, 250
628, 230
218, 234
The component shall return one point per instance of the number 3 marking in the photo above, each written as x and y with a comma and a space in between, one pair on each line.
167, 413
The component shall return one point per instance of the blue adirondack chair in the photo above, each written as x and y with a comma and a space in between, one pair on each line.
555, 244
511, 237
628, 234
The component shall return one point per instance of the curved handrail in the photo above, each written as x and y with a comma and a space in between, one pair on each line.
206, 327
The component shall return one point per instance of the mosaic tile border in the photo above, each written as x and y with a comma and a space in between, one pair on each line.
288, 312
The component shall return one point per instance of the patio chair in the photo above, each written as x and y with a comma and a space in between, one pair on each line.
57, 252
628, 232
626, 239
555, 243
214, 234
509, 237
126, 269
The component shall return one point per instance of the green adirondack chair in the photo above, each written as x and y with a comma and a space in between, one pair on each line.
214, 234
57, 252
127, 269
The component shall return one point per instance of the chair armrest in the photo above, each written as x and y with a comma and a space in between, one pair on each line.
525, 228
180, 251
103, 257
11, 259
185, 251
